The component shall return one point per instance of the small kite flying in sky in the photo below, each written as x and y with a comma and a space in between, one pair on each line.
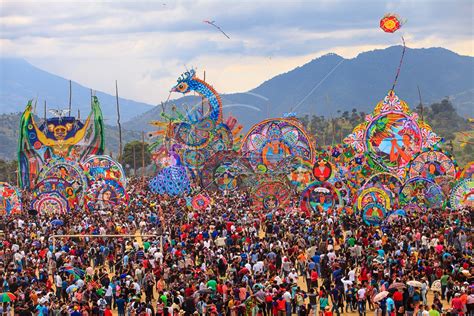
390, 23
217, 27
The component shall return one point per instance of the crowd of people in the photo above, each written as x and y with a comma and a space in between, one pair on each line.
231, 259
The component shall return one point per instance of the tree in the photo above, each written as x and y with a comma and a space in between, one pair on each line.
132, 155
8, 170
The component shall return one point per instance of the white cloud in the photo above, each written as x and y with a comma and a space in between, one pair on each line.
146, 45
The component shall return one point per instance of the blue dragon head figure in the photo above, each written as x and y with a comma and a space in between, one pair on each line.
185, 83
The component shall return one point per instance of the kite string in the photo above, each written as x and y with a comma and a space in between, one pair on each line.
400, 65
317, 85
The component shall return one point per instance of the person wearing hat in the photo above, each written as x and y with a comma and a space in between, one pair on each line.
457, 304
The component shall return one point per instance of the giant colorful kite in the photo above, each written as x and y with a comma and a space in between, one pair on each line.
103, 167
10, 199
432, 164
226, 170
65, 137
273, 142
392, 135
462, 195
196, 135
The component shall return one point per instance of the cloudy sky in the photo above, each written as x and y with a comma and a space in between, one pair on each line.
145, 45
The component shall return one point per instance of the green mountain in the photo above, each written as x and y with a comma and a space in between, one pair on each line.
20, 81
332, 84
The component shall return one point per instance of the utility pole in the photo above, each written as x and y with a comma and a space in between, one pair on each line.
118, 122
202, 98
421, 102
143, 157
134, 162
70, 96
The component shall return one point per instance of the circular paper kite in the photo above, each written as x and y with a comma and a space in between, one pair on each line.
462, 195
322, 170
226, 170
373, 214
385, 181
421, 191
373, 196
468, 171
271, 195
72, 192
392, 135
320, 197
10, 199
301, 174
342, 188
432, 164
200, 202
50, 203
64, 169
106, 195
102, 167
272, 141
390, 23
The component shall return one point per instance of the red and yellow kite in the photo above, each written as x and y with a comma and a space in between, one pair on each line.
390, 23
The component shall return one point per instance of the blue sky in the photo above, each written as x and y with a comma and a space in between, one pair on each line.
146, 45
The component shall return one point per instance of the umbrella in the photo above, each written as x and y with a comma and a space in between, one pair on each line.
415, 283
78, 273
80, 283
436, 286
381, 296
71, 288
400, 212
397, 285
7, 297
57, 222
100, 292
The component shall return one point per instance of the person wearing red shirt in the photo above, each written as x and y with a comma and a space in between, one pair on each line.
398, 299
314, 278
457, 304
107, 311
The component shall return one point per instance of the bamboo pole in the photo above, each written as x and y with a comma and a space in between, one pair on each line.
143, 157
118, 122
421, 102
203, 98
134, 162
70, 96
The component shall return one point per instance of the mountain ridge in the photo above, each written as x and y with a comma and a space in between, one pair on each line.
330, 84
22, 81
325, 85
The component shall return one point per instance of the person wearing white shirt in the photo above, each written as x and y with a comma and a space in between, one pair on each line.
351, 275
258, 267
278, 280
293, 276
58, 281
